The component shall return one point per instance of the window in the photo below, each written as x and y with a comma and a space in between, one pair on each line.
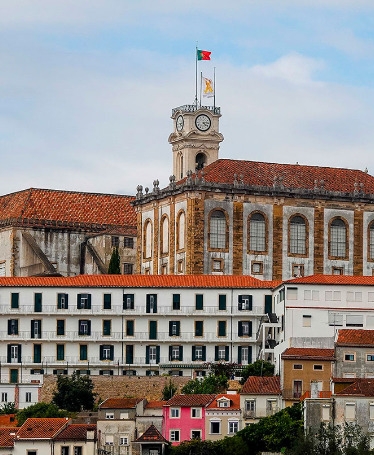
221, 328
128, 268
370, 357
292, 293
199, 301
307, 320
151, 303
115, 241
224, 404
222, 353
217, 265
222, 302
107, 304
128, 242
60, 327
152, 354
337, 270
244, 302
195, 413
244, 355
84, 327
14, 300
36, 328
28, 397
349, 357
317, 367
12, 326
338, 238
84, 301
354, 320
83, 355
123, 441
217, 230
199, 328
164, 235
180, 266
65, 450
4, 397
106, 352
271, 407
195, 434
37, 353
198, 353
233, 426
350, 411
147, 237
128, 301
257, 268
297, 366
109, 415
107, 327
371, 411
174, 435
37, 302
77, 450
174, 413
180, 230
153, 330
257, 233
130, 354
297, 389
175, 353
215, 427
297, 270
297, 229
174, 328
335, 319
130, 330
326, 412
176, 302
62, 301
250, 408
244, 328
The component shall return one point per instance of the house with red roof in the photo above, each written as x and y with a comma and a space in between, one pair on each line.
76, 439
65, 232
223, 416
7, 437
185, 417
151, 442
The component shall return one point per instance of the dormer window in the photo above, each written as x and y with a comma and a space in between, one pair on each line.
224, 403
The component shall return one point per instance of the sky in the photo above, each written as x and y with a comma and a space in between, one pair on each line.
87, 86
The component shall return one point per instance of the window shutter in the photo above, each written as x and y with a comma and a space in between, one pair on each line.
170, 328
216, 353
250, 328
178, 328
180, 353
176, 301
221, 328
89, 301
204, 353
88, 327
227, 353
193, 353
222, 302
153, 330
249, 354
9, 326
101, 352
199, 302
8, 353
148, 304
268, 304
37, 353
130, 354
240, 329
107, 301
111, 352
79, 296
38, 302
130, 328
199, 328
147, 354
250, 302
15, 300
239, 355
157, 354
32, 331
170, 352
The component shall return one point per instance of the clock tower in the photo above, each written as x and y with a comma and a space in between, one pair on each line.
195, 139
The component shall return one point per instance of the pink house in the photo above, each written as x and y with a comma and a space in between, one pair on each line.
184, 417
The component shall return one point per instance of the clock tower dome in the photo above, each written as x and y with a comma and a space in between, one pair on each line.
195, 139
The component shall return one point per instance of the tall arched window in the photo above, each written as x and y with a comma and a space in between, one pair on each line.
338, 238
164, 235
148, 239
297, 235
371, 240
257, 232
180, 230
217, 230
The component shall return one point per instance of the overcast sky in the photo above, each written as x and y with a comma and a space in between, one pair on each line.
87, 86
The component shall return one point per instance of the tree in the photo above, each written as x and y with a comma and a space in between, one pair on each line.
257, 368
115, 263
222, 368
40, 410
74, 393
8, 408
210, 384
169, 390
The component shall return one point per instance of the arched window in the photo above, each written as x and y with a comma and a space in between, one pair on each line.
371, 240
257, 232
338, 238
200, 161
180, 230
181, 167
297, 235
148, 239
164, 235
217, 230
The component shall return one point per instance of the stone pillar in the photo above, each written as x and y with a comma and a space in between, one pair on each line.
277, 241
319, 240
237, 235
358, 246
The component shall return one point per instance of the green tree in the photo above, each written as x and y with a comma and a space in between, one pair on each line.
115, 263
195, 447
40, 410
74, 393
227, 369
8, 408
210, 384
257, 368
169, 390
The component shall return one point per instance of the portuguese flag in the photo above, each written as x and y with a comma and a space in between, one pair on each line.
203, 55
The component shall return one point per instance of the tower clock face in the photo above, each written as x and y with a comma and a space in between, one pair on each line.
179, 122
202, 122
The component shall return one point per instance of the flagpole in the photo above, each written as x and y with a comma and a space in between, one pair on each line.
196, 77
201, 83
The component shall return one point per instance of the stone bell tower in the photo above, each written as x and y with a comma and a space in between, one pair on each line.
195, 139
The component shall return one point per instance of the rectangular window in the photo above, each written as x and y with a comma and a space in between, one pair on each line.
60, 352
349, 357
199, 302
124, 441
370, 357
217, 265
130, 354
257, 268
107, 304
176, 302
198, 353
233, 427
174, 328
199, 328
354, 320
83, 354
38, 302
36, 328
175, 352
307, 320
221, 353
60, 327
326, 412
84, 301
109, 415
62, 301
107, 327
215, 427
152, 354
244, 328
128, 242
297, 366
28, 397
130, 328
195, 434
195, 413
244, 302
221, 328
77, 450
174, 435
153, 330
151, 303
292, 293
222, 302
128, 268
37, 353
84, 327
250, 408
371, 411
317, 367
128, 301
12, 326
297, 389
335, 319
106, 352
350, 411
4, 397
174, 413
115, 241
65, 450
14, 300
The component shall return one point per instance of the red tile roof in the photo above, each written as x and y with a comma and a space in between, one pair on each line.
41, 428
72, 209
7, 436
141, 281
120, 403
293, 176
197, 399
361, 387
267, 385
308, 354
151, 434
333, 279
234, 402
76, 431
355, 337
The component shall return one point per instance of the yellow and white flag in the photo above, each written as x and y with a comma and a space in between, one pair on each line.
207, 86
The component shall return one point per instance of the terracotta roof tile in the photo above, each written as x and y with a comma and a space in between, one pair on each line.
151, 434
141, 281
76, 431
308, 354
361, 387
294, 176
41, 428
234, 402
67, 207
7, 436
334, 279
191, 400
267, 385
355, 337
120, 403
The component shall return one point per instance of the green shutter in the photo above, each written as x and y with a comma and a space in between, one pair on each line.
249, 354
130, 354
128, 301
216, 353
60, 327
193, 353
268, 304
227, 353
240, 329
130, 328
199, 328
221, 328
176, 302
83, 352
38, 302
147, 354
157, 354
14, 300
107, 327
180, 353
107, 301
199, 302
204, 353
222, 302
153, 330
37, 353
239, 355
60, 352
